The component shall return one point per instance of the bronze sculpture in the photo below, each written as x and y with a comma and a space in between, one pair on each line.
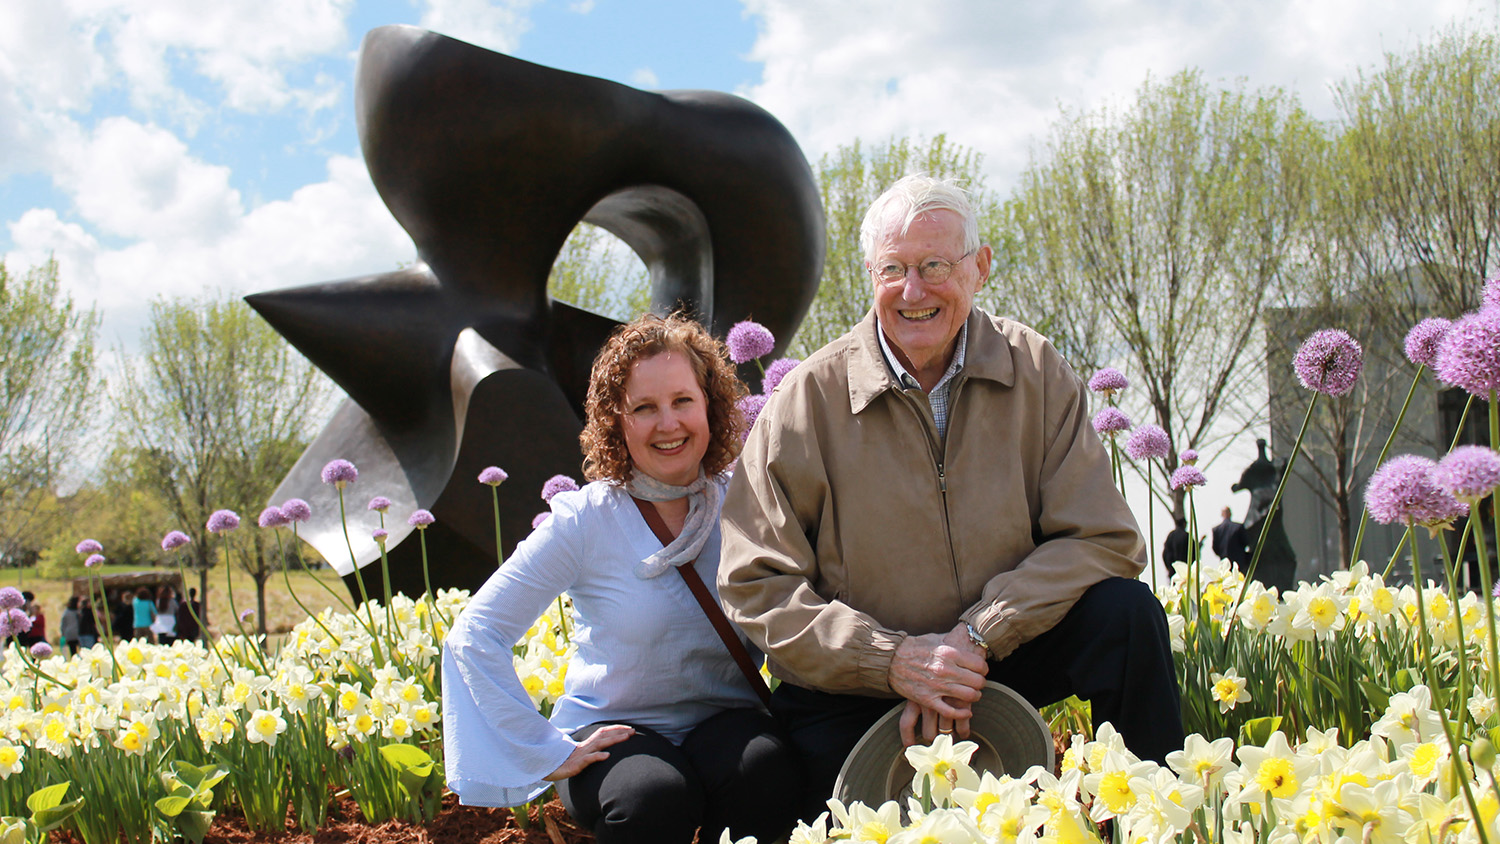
463, 360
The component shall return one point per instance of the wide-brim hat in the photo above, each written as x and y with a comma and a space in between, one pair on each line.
1009, 731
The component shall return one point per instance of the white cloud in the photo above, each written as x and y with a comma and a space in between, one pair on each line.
332, 229
139, 181
581, 7
993, 75
493, 24
644, 77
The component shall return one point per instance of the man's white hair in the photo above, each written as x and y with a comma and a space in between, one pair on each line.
896, 209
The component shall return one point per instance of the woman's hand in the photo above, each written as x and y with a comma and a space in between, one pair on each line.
590, 750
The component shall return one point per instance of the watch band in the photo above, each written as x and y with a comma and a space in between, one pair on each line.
976, 638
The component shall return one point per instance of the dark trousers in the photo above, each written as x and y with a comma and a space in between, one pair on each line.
735, 770
1111, 649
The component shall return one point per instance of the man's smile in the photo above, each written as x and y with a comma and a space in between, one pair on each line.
918, 316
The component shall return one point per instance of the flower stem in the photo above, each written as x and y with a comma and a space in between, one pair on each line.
1364, 516
1265, 525
287, 579
359, 578
1151, 523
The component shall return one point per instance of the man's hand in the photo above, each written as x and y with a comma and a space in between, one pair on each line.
590, 750
940, 677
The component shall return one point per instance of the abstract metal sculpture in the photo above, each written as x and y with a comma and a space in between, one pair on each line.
463, 360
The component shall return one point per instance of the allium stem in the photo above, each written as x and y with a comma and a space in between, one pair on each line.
296, 549
109, 632
359, 578
499, 554
1265, 524
202, 628
1151, 524
287, 579
1425, 638
1364, 516
1486, 583
1464, 683
229, 591
433, 616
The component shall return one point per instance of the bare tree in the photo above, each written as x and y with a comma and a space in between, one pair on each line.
47, 392
1166, 225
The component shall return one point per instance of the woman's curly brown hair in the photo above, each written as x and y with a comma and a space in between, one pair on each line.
605, 456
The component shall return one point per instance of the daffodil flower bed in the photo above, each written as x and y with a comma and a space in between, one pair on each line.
1400, 786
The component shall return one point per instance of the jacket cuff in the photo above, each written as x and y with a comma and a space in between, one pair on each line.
994, 623
873, 663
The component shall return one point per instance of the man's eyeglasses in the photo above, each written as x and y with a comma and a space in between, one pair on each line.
932, 270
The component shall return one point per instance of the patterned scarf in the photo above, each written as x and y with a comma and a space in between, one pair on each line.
704, 497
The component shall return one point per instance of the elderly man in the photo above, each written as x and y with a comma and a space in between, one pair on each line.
923, 505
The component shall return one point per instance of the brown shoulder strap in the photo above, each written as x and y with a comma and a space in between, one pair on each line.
706, 601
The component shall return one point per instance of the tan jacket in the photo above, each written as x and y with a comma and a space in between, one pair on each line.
849, 524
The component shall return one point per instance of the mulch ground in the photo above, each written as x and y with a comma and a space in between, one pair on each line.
549, 825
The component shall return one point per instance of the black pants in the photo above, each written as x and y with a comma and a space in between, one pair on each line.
1111, 649
735, 770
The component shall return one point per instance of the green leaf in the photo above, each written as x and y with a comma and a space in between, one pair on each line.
194, 825
52, 817
1379, 698
1257, 731
46, 798
1404, 680
172, 806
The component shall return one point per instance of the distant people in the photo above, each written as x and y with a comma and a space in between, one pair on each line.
1175, 549
68, 627
143, 613
38, 632
121, 613
88, 624
187, 623
1229, 541
164, 625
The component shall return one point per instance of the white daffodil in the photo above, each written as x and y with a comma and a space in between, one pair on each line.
870, 825
1321, 612
941, 826
265, 725
1202, 762
1228, 689
1374, 813
941, 767
1409, 717
1258, 608
10, 759
1273, 770
814, 833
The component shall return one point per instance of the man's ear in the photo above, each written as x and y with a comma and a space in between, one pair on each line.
982, 258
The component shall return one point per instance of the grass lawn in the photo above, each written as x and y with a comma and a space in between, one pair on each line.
281, 611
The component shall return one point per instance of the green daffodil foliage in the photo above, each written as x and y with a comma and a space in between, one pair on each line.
48, 812
189, 804
419, 776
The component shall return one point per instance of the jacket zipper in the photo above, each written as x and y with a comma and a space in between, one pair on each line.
939, 449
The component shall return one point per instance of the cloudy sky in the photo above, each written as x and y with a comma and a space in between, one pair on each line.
166, 147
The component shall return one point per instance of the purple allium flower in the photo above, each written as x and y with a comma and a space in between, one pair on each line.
173, 540
556, 484
750, 407
379, 504
41, 650
493, 475
1492, 291
420, 519
1187, 476
296, 510
339, 472
1147, 442
1329, 362
1469, 472
1110, 421
776, 370
1469, 355
272, 517
380, 535
223, 521
14, 622
749, 340
1424, 339
1495, 593
88, 546
11, 598
245, 615
1108, 381
94, 561
539, 518
1404, 490
1189, 456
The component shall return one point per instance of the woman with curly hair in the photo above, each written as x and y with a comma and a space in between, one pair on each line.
658, 732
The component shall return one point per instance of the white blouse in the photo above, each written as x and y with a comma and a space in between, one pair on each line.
646, 654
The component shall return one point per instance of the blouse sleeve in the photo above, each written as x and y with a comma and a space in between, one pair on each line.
497, 748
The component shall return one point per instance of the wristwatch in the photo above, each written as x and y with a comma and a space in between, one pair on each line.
977, 639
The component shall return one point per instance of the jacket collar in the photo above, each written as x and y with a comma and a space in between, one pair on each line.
988, 357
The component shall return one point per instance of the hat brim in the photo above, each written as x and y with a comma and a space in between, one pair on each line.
1009, 731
